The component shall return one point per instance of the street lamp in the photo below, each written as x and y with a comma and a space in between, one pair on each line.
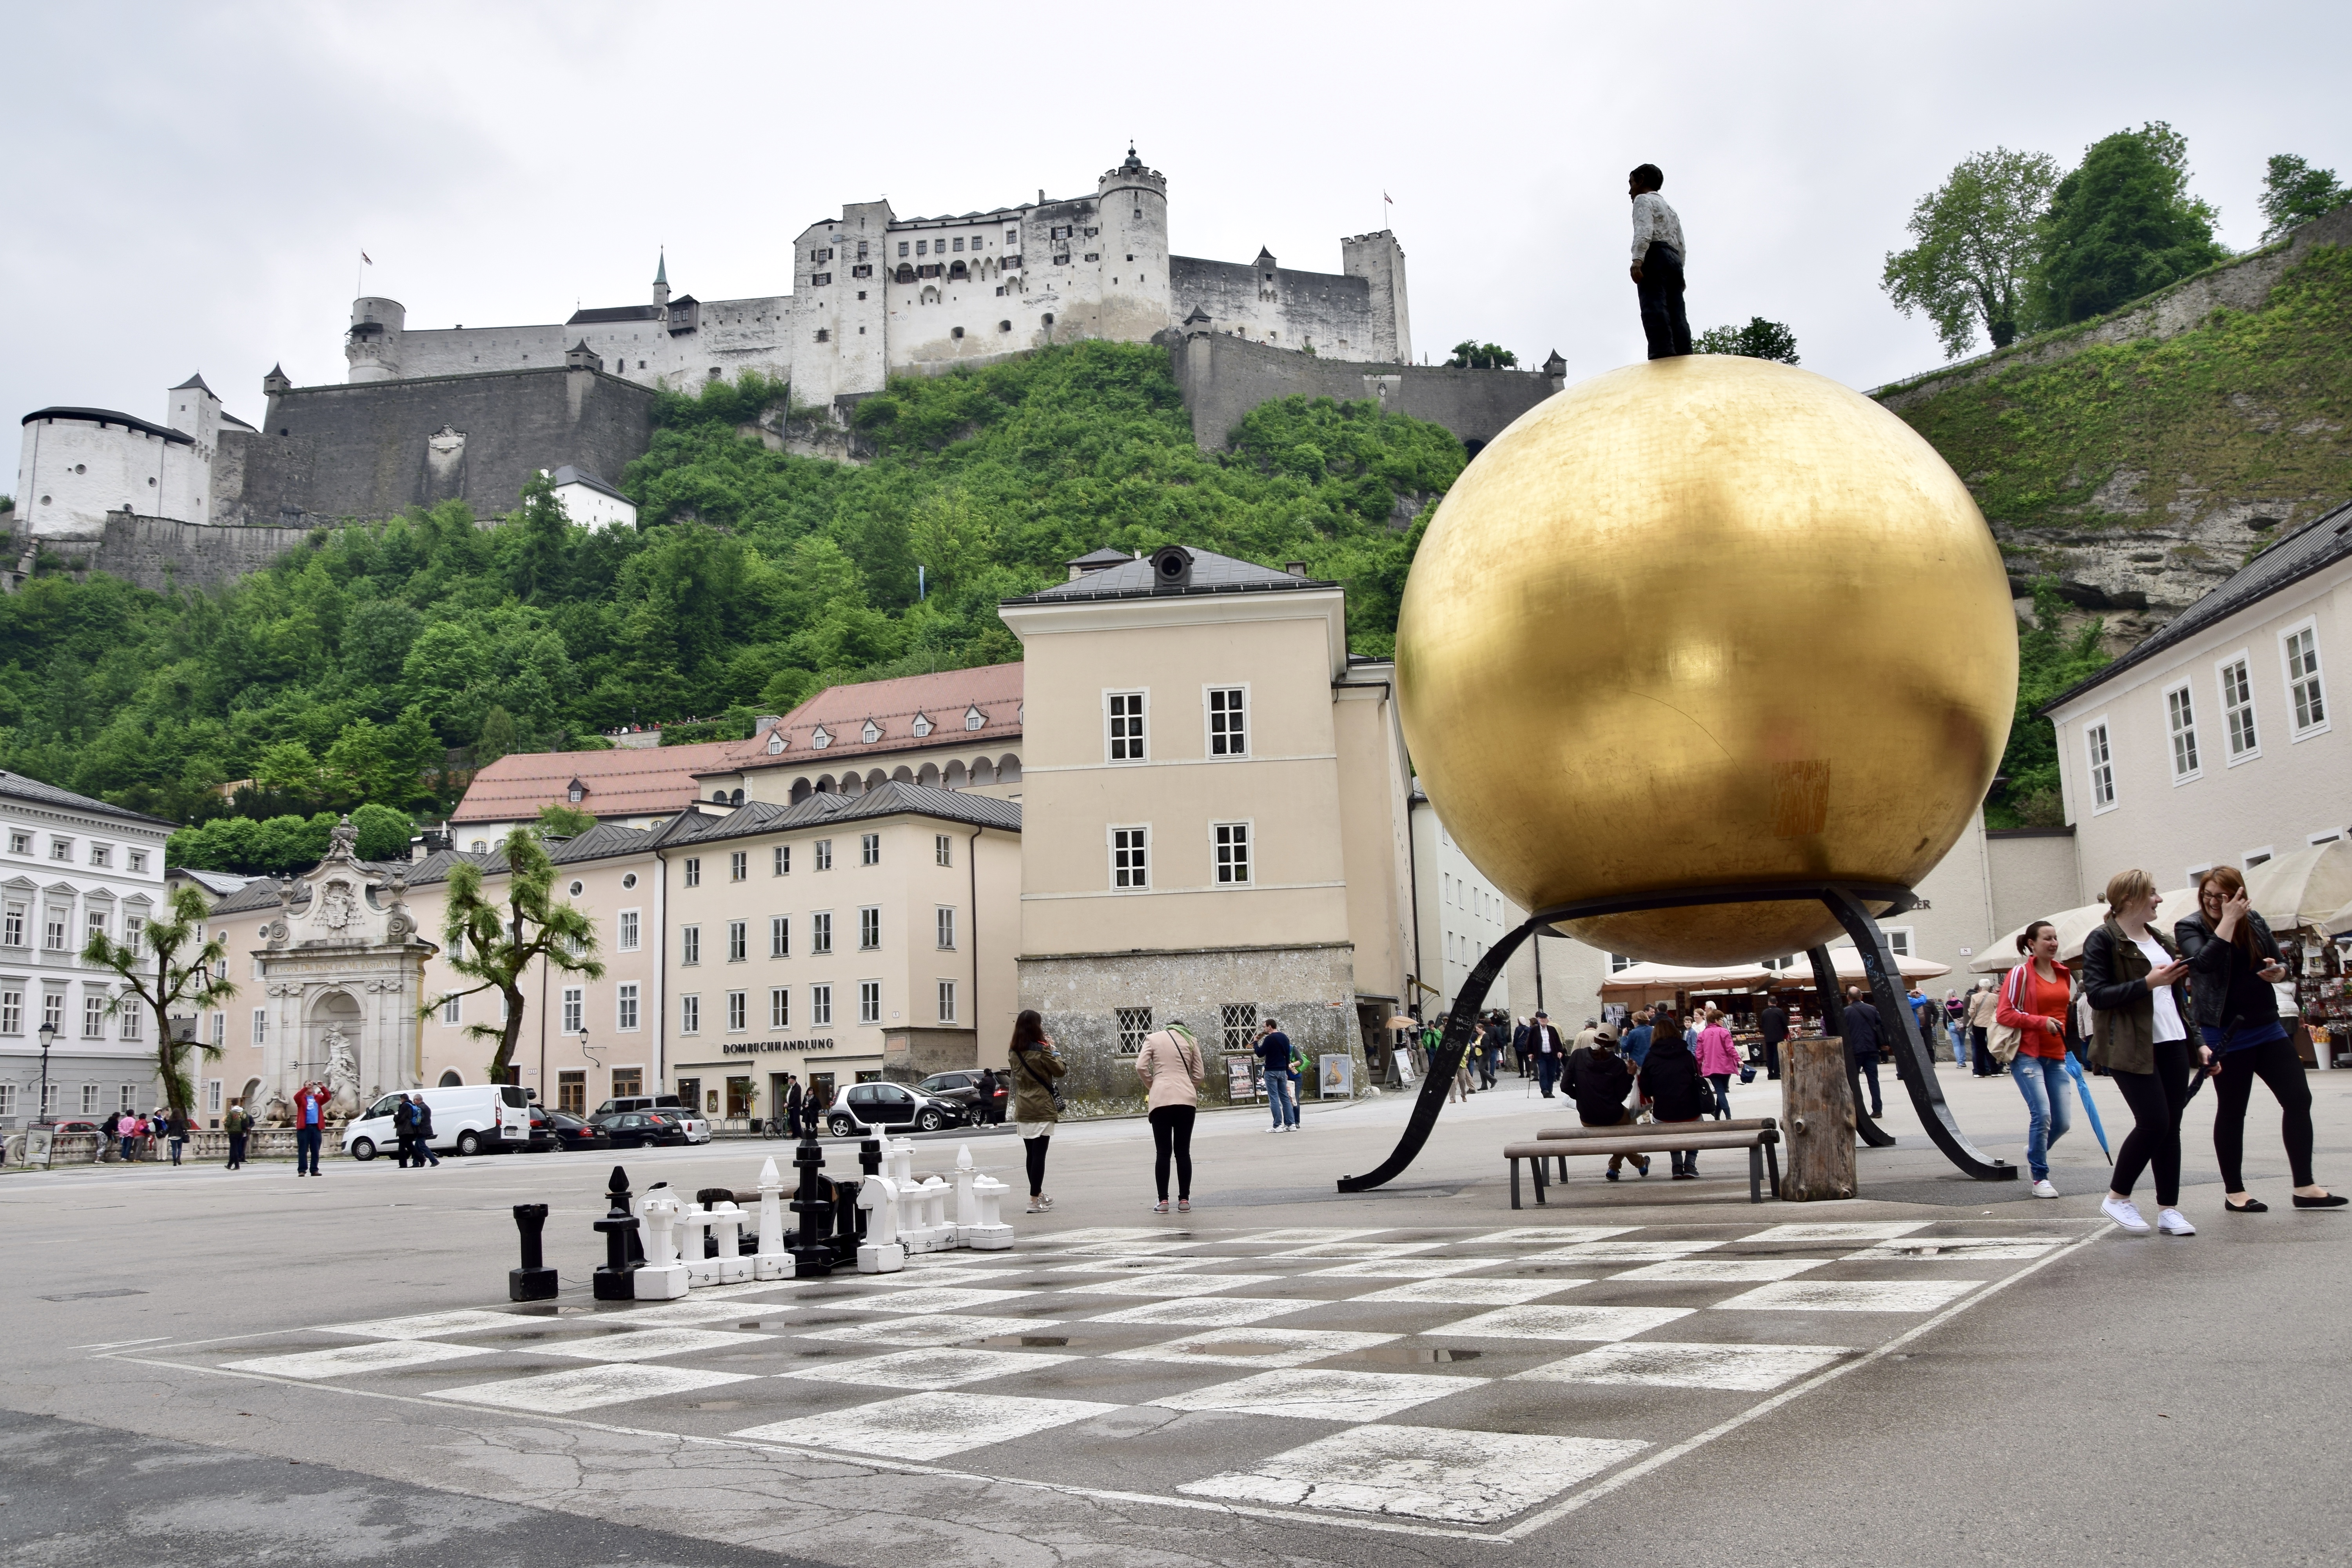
48, 1033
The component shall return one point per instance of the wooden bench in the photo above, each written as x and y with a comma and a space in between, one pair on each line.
1761, 1136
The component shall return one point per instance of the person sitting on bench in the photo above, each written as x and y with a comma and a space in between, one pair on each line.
1670, 1082
1598, 1080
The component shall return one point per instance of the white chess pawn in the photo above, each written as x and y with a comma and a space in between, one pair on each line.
880, 1252
989, 1233
727, 1224
701, 1268
966, 1211
772, 1261
661, 1277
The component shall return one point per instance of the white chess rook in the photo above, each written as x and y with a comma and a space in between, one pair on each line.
900, 1165
772, 1261
909, 1222
695, 1225
988, 1231
727, 1224
880, 1253
935, 1214
661, 1277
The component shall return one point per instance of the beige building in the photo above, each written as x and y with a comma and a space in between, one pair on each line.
838, 940
2214, 742
1228, 793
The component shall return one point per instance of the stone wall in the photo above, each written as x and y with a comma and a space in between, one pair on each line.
1328, 312
161, 553
1224, 378
1311, 989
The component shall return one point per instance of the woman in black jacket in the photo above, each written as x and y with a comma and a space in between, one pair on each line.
1671, 1082
2234, 960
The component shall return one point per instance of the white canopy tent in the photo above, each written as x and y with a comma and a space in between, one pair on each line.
2074, 926
1643, 978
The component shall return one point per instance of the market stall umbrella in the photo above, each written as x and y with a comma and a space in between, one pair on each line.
1402, 1022
2310, 887
2074, 926
1675, 977
2340, 923
1848, 963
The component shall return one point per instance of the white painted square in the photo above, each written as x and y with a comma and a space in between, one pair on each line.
1474, 1292
1851, 1296
425, 1325
689, 1311
1841, 1230
1133, 1266
1404, 1268
1305, 1235
1663, 1363
586, 1387
1563, 1322
930, 1299
927, 1426
928, 1369
945, 1329
1321, 1394
1422, 1472
1170, 1285
1621, 1252
645, 1344
1953, 1248
1253, 1347
1205, 1311
756, 1287
1724, 1270
1133, 1248
376, 1355
1548, 1235
1359, 1250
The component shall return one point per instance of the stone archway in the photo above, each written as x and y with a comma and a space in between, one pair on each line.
451, 1078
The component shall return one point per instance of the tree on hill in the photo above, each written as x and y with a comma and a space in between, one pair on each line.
1472, 355
169, 965
2048, 660
383, 833
2295, 193
2121, 226
1760, 339
495, 946
1976, 243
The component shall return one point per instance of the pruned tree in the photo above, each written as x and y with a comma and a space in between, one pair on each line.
2120, 226
1472, 355
2295, 193
169, 964
493, 942
1977, 238
1760, 339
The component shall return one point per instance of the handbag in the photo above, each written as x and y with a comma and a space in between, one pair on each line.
2000, 1038
1051, 1086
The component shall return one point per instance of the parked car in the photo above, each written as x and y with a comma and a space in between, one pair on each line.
638, 1129
77, 1125
696, 1125
569, 1132
468, 1118
962, 1086
542, 1130
865, 1108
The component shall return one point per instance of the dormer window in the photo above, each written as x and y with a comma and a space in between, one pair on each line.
775, 743
575, 791
820, 739
973, 718
923, 725
872, 732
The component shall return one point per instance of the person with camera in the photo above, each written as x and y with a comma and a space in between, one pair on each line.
2132, 974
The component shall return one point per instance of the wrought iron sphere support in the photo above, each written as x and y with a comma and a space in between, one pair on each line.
1848, 902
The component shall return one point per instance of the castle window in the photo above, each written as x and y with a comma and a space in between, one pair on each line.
1061, 258
820, 280
923, 248
1093, 255
1003, 326
1049, 318
1130, 258
861, 294
956, 333
823, 335
902, 247
862, 269
906, 274
1000, 294
861, 250
959, 244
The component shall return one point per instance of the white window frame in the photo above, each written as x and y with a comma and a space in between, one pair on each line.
1209, 736
1903, 941
820, 1005
943, 849
2099, 753
943, 926
1219, 837
138, 862
689, 1013
2254, 858
739, 940
780, 936
781, 861
262, 1025
93, 1015
739, 1010
2180, 731
628, 1009
869, 927
780, 1006
689, 945
821, 854
2298, 732
127, 1026
820, 932
2223, 681
1139, 878
453, 1011
575, 1009
739, 865
1142, 719
947, 999
869, 1002
693, 870
632, 928
869, 849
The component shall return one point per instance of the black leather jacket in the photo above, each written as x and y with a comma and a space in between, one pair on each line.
2225, 987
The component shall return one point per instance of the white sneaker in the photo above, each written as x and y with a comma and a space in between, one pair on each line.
2124, 1212
2172, 1222
2042, 1189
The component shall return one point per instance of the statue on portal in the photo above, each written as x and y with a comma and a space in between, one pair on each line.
342, 1074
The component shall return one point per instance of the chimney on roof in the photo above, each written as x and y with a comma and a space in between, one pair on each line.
1295, 568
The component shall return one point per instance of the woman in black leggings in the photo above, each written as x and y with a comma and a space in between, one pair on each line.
1172, 1072
2132, 974
2234, 960
1034, 1066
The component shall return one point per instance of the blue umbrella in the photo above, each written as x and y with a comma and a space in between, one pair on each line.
2090, 1106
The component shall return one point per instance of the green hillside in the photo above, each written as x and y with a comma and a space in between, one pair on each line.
380, 662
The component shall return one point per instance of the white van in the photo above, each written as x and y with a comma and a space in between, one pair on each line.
467, 1119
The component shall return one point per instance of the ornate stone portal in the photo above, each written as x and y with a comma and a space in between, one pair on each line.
344, 974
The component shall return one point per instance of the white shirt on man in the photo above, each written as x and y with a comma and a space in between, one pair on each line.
1654, 220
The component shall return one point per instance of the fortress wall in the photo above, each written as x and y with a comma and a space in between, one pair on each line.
1224, 378
1329, 311
159, 553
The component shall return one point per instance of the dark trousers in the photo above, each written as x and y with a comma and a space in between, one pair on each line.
1722, 1081
236, 1149
1661, 290
1035, 1150
1773, 1058
1981, 1059
1172, 1134
1682, 1159
2276, 1065
2157, 1100
1547, 1072
407, 1153
306, 1150
1859, 1068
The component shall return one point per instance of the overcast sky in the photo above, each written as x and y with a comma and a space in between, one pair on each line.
189, 187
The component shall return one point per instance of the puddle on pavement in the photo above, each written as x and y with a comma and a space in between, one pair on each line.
1238, 1347
814, 1322
1020, 1342
1409, 1355
716, 1405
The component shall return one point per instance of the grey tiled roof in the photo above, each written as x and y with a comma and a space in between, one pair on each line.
892, 799
2317, 544
17, 786
1211, 573
616, 313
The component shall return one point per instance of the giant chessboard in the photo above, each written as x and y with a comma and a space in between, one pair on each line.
1478, 1381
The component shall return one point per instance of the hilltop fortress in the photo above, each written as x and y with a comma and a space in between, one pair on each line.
874, 295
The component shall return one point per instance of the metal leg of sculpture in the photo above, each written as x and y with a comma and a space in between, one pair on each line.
1460, 1026
1825, 981
1926, 1094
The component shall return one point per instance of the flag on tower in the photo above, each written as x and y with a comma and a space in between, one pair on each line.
1388, 198
366, 259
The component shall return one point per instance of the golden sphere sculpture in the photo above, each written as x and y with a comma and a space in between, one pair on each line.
1705, 622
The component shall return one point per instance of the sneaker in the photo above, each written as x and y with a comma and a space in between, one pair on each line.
2042, 1189
2124, 1212
1159, 1208
1183, 1206
2172, 1222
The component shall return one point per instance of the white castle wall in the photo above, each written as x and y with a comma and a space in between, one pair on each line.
71, 471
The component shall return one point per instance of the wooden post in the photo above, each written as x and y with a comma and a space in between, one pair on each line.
1817, 1118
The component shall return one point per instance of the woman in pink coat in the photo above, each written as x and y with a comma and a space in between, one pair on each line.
1719, 1058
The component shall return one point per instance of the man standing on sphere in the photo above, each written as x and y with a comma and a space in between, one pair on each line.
1658, 256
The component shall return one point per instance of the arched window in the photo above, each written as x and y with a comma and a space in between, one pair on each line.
452, 1079
1008, 769
930, 777
983, 772
735, 798
954, 777
800, 791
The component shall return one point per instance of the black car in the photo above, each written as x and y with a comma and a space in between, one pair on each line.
571, 1132
638, 1129
962, 1086
542, 1129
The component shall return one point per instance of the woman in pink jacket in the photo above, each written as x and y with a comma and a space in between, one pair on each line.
1719, 1058
1171, 1067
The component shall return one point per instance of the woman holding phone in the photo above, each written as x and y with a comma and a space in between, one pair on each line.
2132, 974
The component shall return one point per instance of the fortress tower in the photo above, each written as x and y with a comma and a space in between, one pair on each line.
1378, 259
374, 344
1133, 202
